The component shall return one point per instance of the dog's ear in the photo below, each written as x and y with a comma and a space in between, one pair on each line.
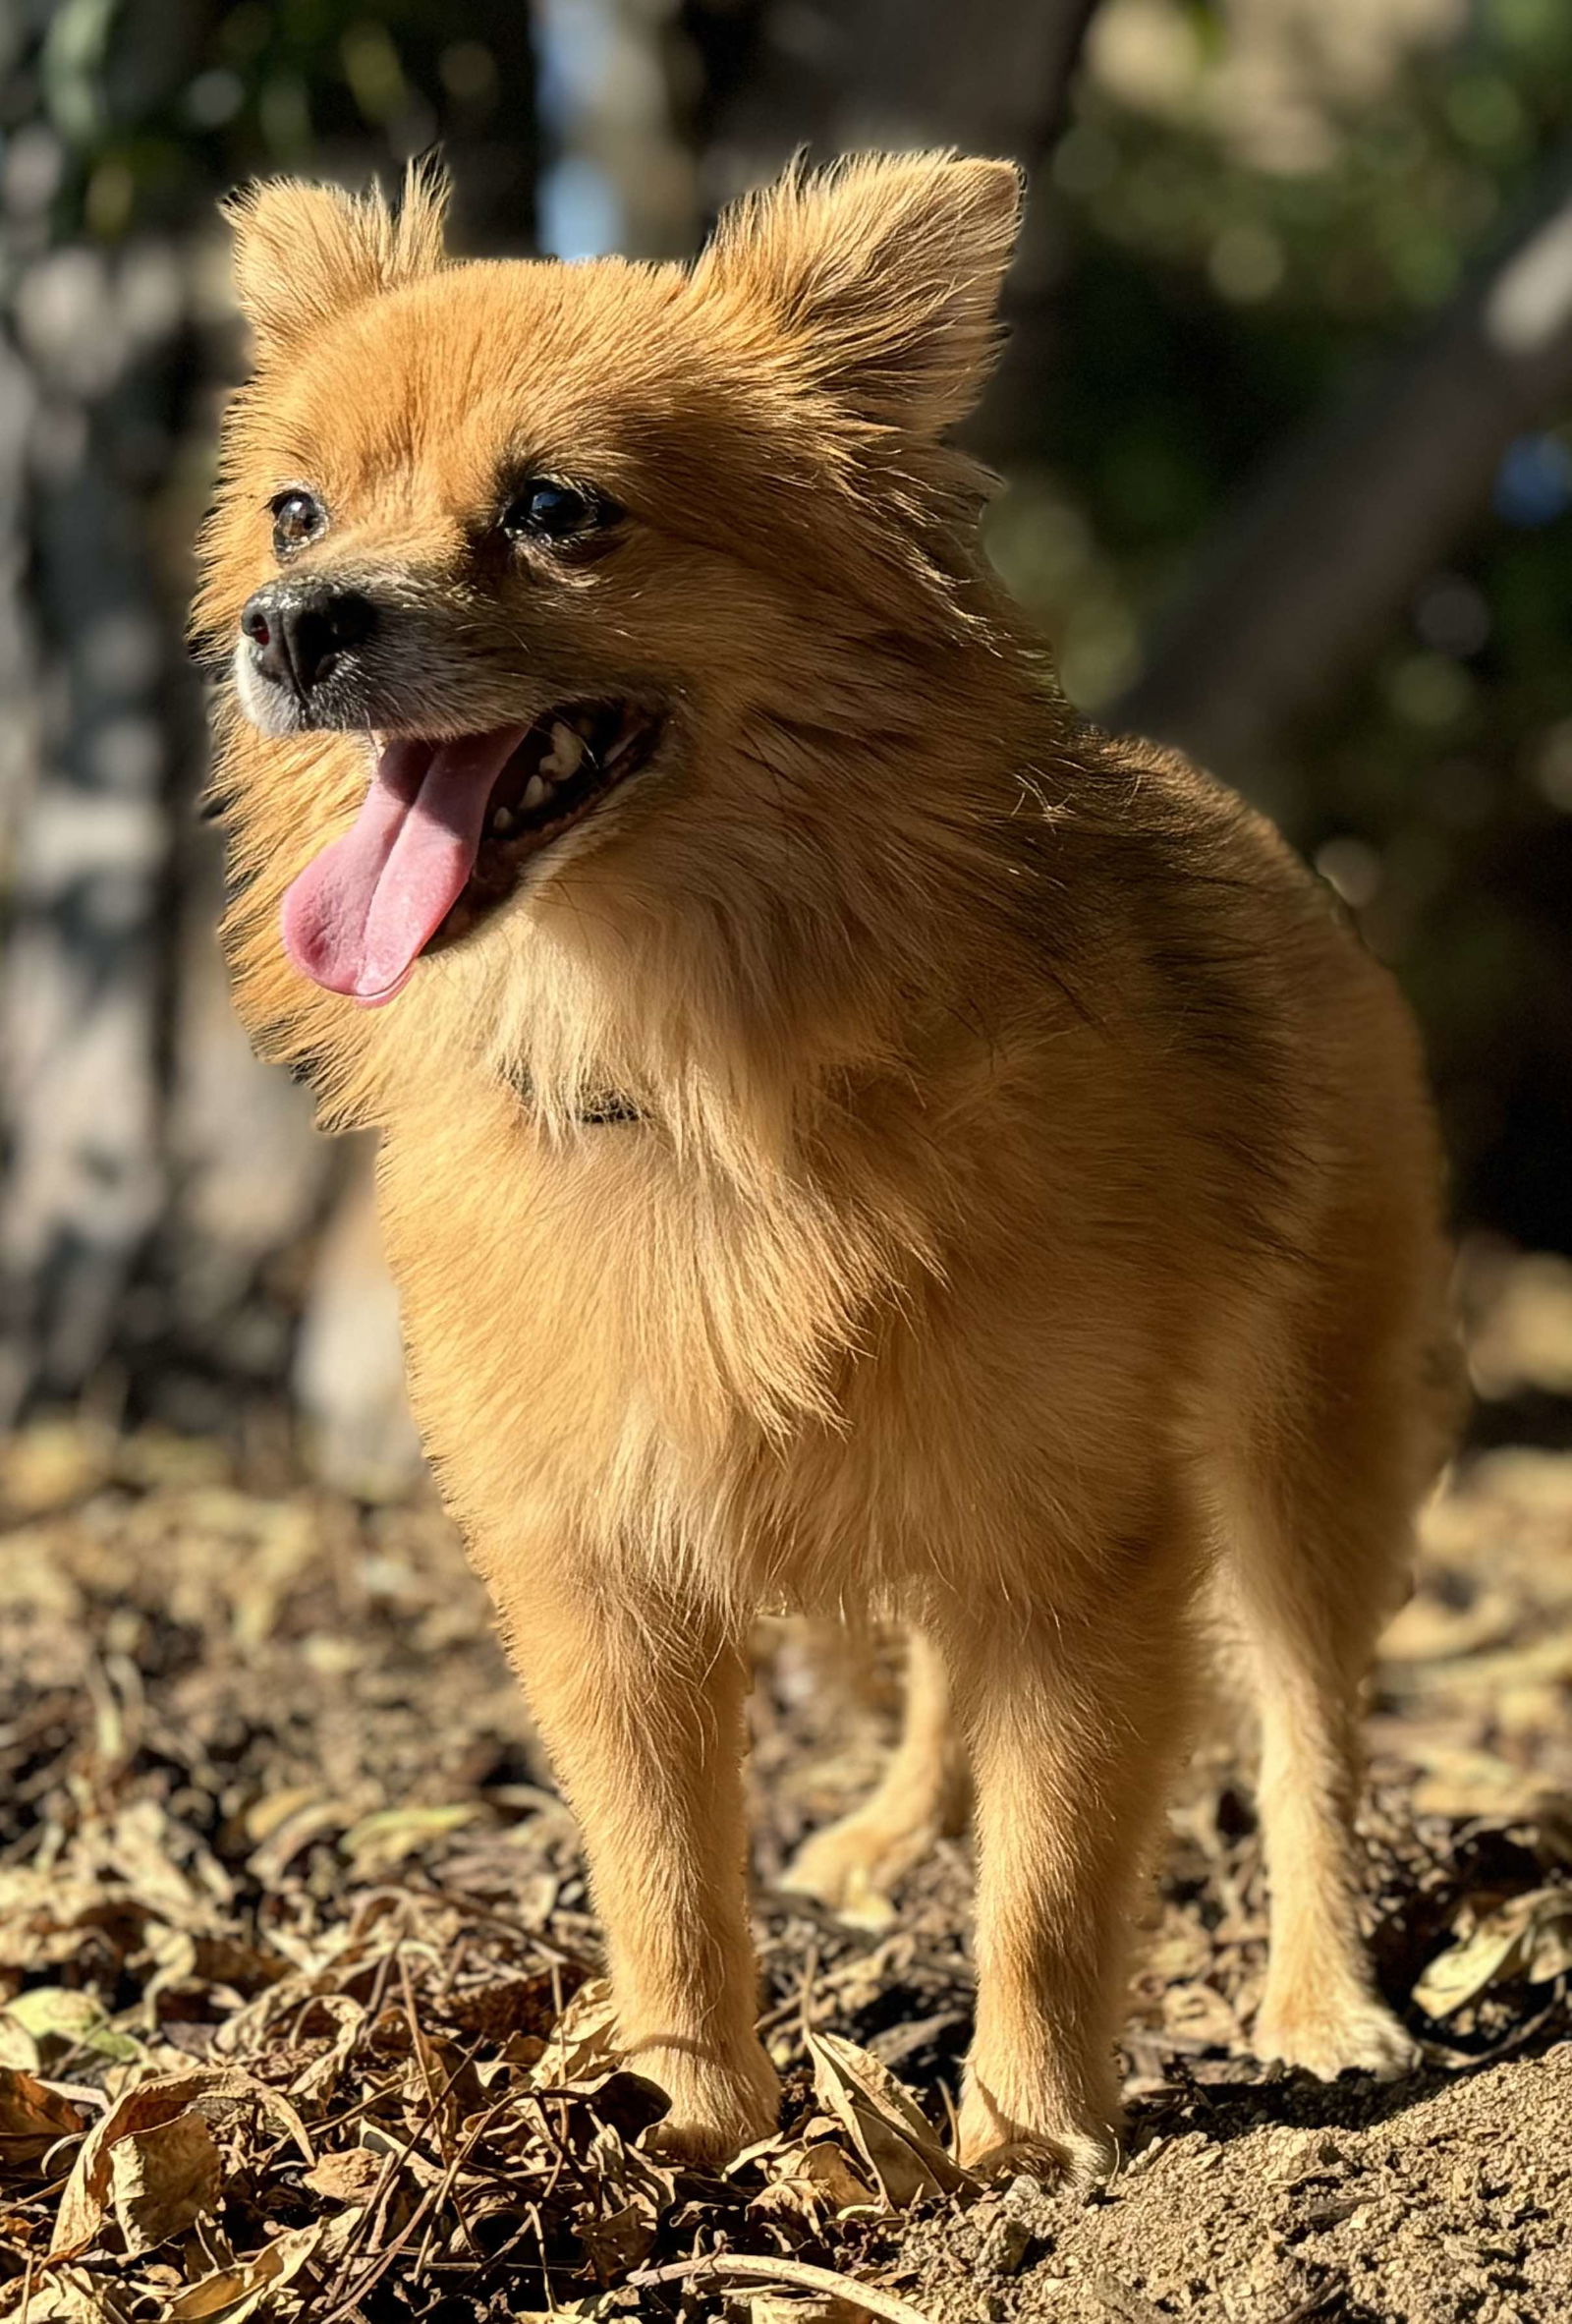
304, 253
881, 274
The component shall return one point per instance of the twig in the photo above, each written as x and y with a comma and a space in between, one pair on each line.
562, 1955
423, 2058
805, 1990
385, 2260
831, 1982
450, 2183
370, 2226
361, 2106
392, 2165
546, 2270
455, 1961
379, 1982
555, 2139
746, 2267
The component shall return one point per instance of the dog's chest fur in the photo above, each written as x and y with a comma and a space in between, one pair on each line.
770, 1392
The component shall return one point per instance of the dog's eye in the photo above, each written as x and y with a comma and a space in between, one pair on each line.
296, 519
546, 510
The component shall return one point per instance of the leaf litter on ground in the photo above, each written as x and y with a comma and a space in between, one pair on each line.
301, 2012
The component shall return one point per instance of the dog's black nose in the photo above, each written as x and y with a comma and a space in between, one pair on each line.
298, 632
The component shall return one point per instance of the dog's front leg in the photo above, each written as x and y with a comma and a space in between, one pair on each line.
641, 1709
1072, 1721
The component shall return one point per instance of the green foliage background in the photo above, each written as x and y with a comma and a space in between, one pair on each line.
1210, 309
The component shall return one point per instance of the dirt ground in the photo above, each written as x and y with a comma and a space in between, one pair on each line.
298, 2014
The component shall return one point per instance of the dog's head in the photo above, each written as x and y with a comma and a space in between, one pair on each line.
533, 573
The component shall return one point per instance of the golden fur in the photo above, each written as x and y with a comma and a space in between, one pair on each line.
1028, 1228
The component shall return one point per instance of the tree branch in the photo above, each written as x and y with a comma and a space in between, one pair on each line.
1316, 565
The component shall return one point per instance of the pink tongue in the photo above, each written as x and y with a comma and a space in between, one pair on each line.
359, 915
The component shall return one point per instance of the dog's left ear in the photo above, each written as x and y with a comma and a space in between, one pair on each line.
881, 276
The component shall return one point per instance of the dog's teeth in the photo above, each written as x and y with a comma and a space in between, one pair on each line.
502, 822
535, 793
566, 754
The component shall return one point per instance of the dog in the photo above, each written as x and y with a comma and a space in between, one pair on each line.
853, 1137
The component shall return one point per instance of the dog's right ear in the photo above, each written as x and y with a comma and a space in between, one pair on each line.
304, 254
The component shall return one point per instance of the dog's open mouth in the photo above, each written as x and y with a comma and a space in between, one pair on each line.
445, 834
565, 764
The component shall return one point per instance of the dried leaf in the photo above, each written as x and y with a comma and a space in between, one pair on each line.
1529, 1936
312, 1819
253, 2287
17, 2049
883, 2120
1465, 1780
67, 2295
620, 2241
161, 2177
77, 2021
785, 2308
85, 2203
379, 1842
1428, 1629
47, 1918
1179, 1948
809, 2180
1199, 2014
505, 2005
51, 1463
349, 2176
266, 1815
863, 1903
583, 2040
33, 2120
143, 1846
316, 2082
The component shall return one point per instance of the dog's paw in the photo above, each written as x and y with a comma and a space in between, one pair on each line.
716, 2108
854, 1867
993, 2144
1327, 2036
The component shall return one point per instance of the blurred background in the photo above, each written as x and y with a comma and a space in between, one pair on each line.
1286, 421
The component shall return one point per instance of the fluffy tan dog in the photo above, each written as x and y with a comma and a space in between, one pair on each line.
852, 1138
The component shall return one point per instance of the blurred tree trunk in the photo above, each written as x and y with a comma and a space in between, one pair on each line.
93, 358
162, 1192
837, 74
1318, 562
